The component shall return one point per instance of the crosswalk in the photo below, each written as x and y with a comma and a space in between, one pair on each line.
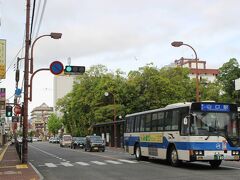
99, 163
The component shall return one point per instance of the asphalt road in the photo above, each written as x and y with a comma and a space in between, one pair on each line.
55, 163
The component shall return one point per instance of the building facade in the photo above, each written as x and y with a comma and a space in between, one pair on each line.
61, 86
39, 119
202, 70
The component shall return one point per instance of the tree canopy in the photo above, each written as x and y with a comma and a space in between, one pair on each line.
143, 89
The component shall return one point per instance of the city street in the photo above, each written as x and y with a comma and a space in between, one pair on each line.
55, 163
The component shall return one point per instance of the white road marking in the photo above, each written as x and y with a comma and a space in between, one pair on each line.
50, 165
127, 161
113, 162
83, 163
98, 163
66, 164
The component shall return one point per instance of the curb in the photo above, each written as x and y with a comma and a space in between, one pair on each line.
3, 152
35, 169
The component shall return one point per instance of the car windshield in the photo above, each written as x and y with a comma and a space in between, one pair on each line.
80, 139
96, 139
215, 123
67, 138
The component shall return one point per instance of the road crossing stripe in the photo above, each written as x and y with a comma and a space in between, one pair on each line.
113, 162
66, 164
127, 161
83, 163
98, 163
50, 165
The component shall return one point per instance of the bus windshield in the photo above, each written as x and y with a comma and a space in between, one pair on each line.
215, 123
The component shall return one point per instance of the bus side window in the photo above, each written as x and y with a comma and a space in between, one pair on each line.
175, 119
168, 120
131, 124
160, 121
142, 123
137, 124
154, 121
148, 123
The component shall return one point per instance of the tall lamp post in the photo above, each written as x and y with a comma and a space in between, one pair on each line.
26, 79
114, 117
53, 35
180, 43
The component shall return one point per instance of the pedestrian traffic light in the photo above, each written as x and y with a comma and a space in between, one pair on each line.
8, 111
74, 70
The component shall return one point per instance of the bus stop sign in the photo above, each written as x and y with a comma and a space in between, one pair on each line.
56, 67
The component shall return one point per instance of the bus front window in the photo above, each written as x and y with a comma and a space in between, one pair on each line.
215, 123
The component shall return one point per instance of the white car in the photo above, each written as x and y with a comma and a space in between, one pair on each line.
34, 139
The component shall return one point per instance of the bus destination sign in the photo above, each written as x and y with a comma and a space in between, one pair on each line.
215, 107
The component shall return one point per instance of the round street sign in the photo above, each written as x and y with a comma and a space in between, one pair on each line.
56, 67
17, 109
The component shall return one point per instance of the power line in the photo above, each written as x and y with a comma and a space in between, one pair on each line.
37, 13
41, 17
33, 11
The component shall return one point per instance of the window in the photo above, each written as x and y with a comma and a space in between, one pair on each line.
131, 124
137, 124
128, 125
168, 120
175, 119
160, 121
142, 123
148, 122
154, 121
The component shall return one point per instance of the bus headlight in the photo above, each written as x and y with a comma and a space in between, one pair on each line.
235, 152
199, 152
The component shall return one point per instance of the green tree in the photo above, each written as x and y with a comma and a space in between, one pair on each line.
228, 73
54, 124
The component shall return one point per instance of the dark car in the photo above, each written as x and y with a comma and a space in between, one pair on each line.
56, 140
78, 142
94, 143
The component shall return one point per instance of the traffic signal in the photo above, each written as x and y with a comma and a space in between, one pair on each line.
8, 111
74, 70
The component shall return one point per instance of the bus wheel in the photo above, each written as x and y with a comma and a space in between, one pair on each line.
138, 153
173, 157
215, 164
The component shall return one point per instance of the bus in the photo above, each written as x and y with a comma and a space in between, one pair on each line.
185, 132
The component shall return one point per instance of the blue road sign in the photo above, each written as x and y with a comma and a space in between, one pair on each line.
56, 67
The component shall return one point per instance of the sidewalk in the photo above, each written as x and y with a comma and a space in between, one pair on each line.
11, 167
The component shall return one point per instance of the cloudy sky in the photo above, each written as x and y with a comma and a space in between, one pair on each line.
125, 34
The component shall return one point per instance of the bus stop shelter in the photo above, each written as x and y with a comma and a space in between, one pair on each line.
106, 130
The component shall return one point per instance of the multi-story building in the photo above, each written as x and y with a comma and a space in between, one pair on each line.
61, 86
39, 119
202, 70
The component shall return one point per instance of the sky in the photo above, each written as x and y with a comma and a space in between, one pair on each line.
121, 34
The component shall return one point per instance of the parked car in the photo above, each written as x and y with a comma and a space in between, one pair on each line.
94, 143
34, 139
29, 139
66, 141
56, 140
78, 142
51, 139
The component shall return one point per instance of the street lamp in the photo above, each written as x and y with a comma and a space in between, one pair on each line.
180, 43
53, 35
114, 117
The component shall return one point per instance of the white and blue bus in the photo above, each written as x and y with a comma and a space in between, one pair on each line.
198, 131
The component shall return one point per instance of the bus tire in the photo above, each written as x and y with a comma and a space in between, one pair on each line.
138, 154
215, 163
173, 157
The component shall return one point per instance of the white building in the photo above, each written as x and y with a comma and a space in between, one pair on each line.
61, 86
203, 72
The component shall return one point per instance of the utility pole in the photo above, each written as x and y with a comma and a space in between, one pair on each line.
26, 79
